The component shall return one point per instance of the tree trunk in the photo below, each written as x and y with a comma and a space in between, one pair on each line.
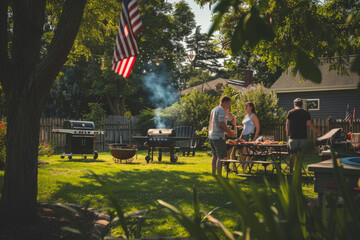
122, 105
20, 180
114, 104
26, 79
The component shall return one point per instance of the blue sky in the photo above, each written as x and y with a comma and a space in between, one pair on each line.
202, 15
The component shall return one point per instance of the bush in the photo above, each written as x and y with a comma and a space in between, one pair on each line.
193, 110
266, 105
146, 120
203, 139
46, 149
97, 115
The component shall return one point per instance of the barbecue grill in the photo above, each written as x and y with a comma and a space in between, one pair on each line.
80, 137
161, 139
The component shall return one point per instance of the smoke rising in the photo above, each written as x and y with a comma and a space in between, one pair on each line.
162, 94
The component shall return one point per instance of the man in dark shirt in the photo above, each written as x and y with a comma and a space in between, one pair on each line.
296, 129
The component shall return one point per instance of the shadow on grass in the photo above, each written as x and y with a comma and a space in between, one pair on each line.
139, 189
170, 163
89, 160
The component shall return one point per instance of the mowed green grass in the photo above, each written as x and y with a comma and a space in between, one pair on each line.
138, 185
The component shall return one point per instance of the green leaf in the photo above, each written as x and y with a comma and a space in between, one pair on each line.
307, 68
215, 25
238, 37
241, 202
219, 224
250, 30
194, 229
196, 207
114, 202
220, 8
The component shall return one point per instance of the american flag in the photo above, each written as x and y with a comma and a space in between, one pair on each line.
348, 115
126, 49
354, 114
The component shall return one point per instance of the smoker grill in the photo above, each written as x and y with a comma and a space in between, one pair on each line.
161, 139
80, 138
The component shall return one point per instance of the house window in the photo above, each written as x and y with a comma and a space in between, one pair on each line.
312, 104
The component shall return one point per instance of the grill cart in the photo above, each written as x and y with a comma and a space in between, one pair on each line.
162, 140
80, 138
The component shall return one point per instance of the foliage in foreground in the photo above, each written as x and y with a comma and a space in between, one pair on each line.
267, 213
289, 216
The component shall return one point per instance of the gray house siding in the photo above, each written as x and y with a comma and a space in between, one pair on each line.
332, 103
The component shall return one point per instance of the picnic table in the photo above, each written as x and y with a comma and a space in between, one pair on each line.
256, 153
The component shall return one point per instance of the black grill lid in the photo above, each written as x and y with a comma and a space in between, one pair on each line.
71, 124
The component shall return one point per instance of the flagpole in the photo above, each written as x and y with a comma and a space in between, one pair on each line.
353, 119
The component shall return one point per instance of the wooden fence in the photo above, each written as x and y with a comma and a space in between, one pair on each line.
324, 125
115, 129
119, 129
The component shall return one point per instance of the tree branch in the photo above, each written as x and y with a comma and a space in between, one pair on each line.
28, 19
60, 46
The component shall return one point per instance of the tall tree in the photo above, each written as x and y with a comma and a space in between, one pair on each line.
207, 56
164, 27
27, 76
293, 33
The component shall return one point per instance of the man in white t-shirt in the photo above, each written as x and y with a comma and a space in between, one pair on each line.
217, 129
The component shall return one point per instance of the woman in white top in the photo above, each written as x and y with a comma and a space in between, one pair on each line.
251, 123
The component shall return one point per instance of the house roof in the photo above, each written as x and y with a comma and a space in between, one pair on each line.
331, 80
238, 85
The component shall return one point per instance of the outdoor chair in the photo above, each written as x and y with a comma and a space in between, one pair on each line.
189, 145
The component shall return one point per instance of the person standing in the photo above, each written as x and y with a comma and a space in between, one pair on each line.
298, 119
217, 129
251, 123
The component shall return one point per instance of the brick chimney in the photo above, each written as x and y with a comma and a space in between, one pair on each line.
248, 77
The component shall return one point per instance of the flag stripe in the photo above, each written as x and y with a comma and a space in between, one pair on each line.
126, 49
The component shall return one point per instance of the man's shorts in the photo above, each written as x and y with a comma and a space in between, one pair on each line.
218, 148
296, 145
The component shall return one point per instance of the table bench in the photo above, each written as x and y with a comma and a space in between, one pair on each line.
251, 163
258, 154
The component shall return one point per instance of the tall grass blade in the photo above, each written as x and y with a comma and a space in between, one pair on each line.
114, 203
219, 224
193, 228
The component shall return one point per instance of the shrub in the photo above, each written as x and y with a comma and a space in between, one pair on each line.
266, 105
97, 115
193, 110
46, 149
203, 139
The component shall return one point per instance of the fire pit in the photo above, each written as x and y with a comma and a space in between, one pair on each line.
122, 152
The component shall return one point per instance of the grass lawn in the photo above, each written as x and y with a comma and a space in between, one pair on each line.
138, 185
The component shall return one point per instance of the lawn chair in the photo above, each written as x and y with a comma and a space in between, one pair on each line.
189, 145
